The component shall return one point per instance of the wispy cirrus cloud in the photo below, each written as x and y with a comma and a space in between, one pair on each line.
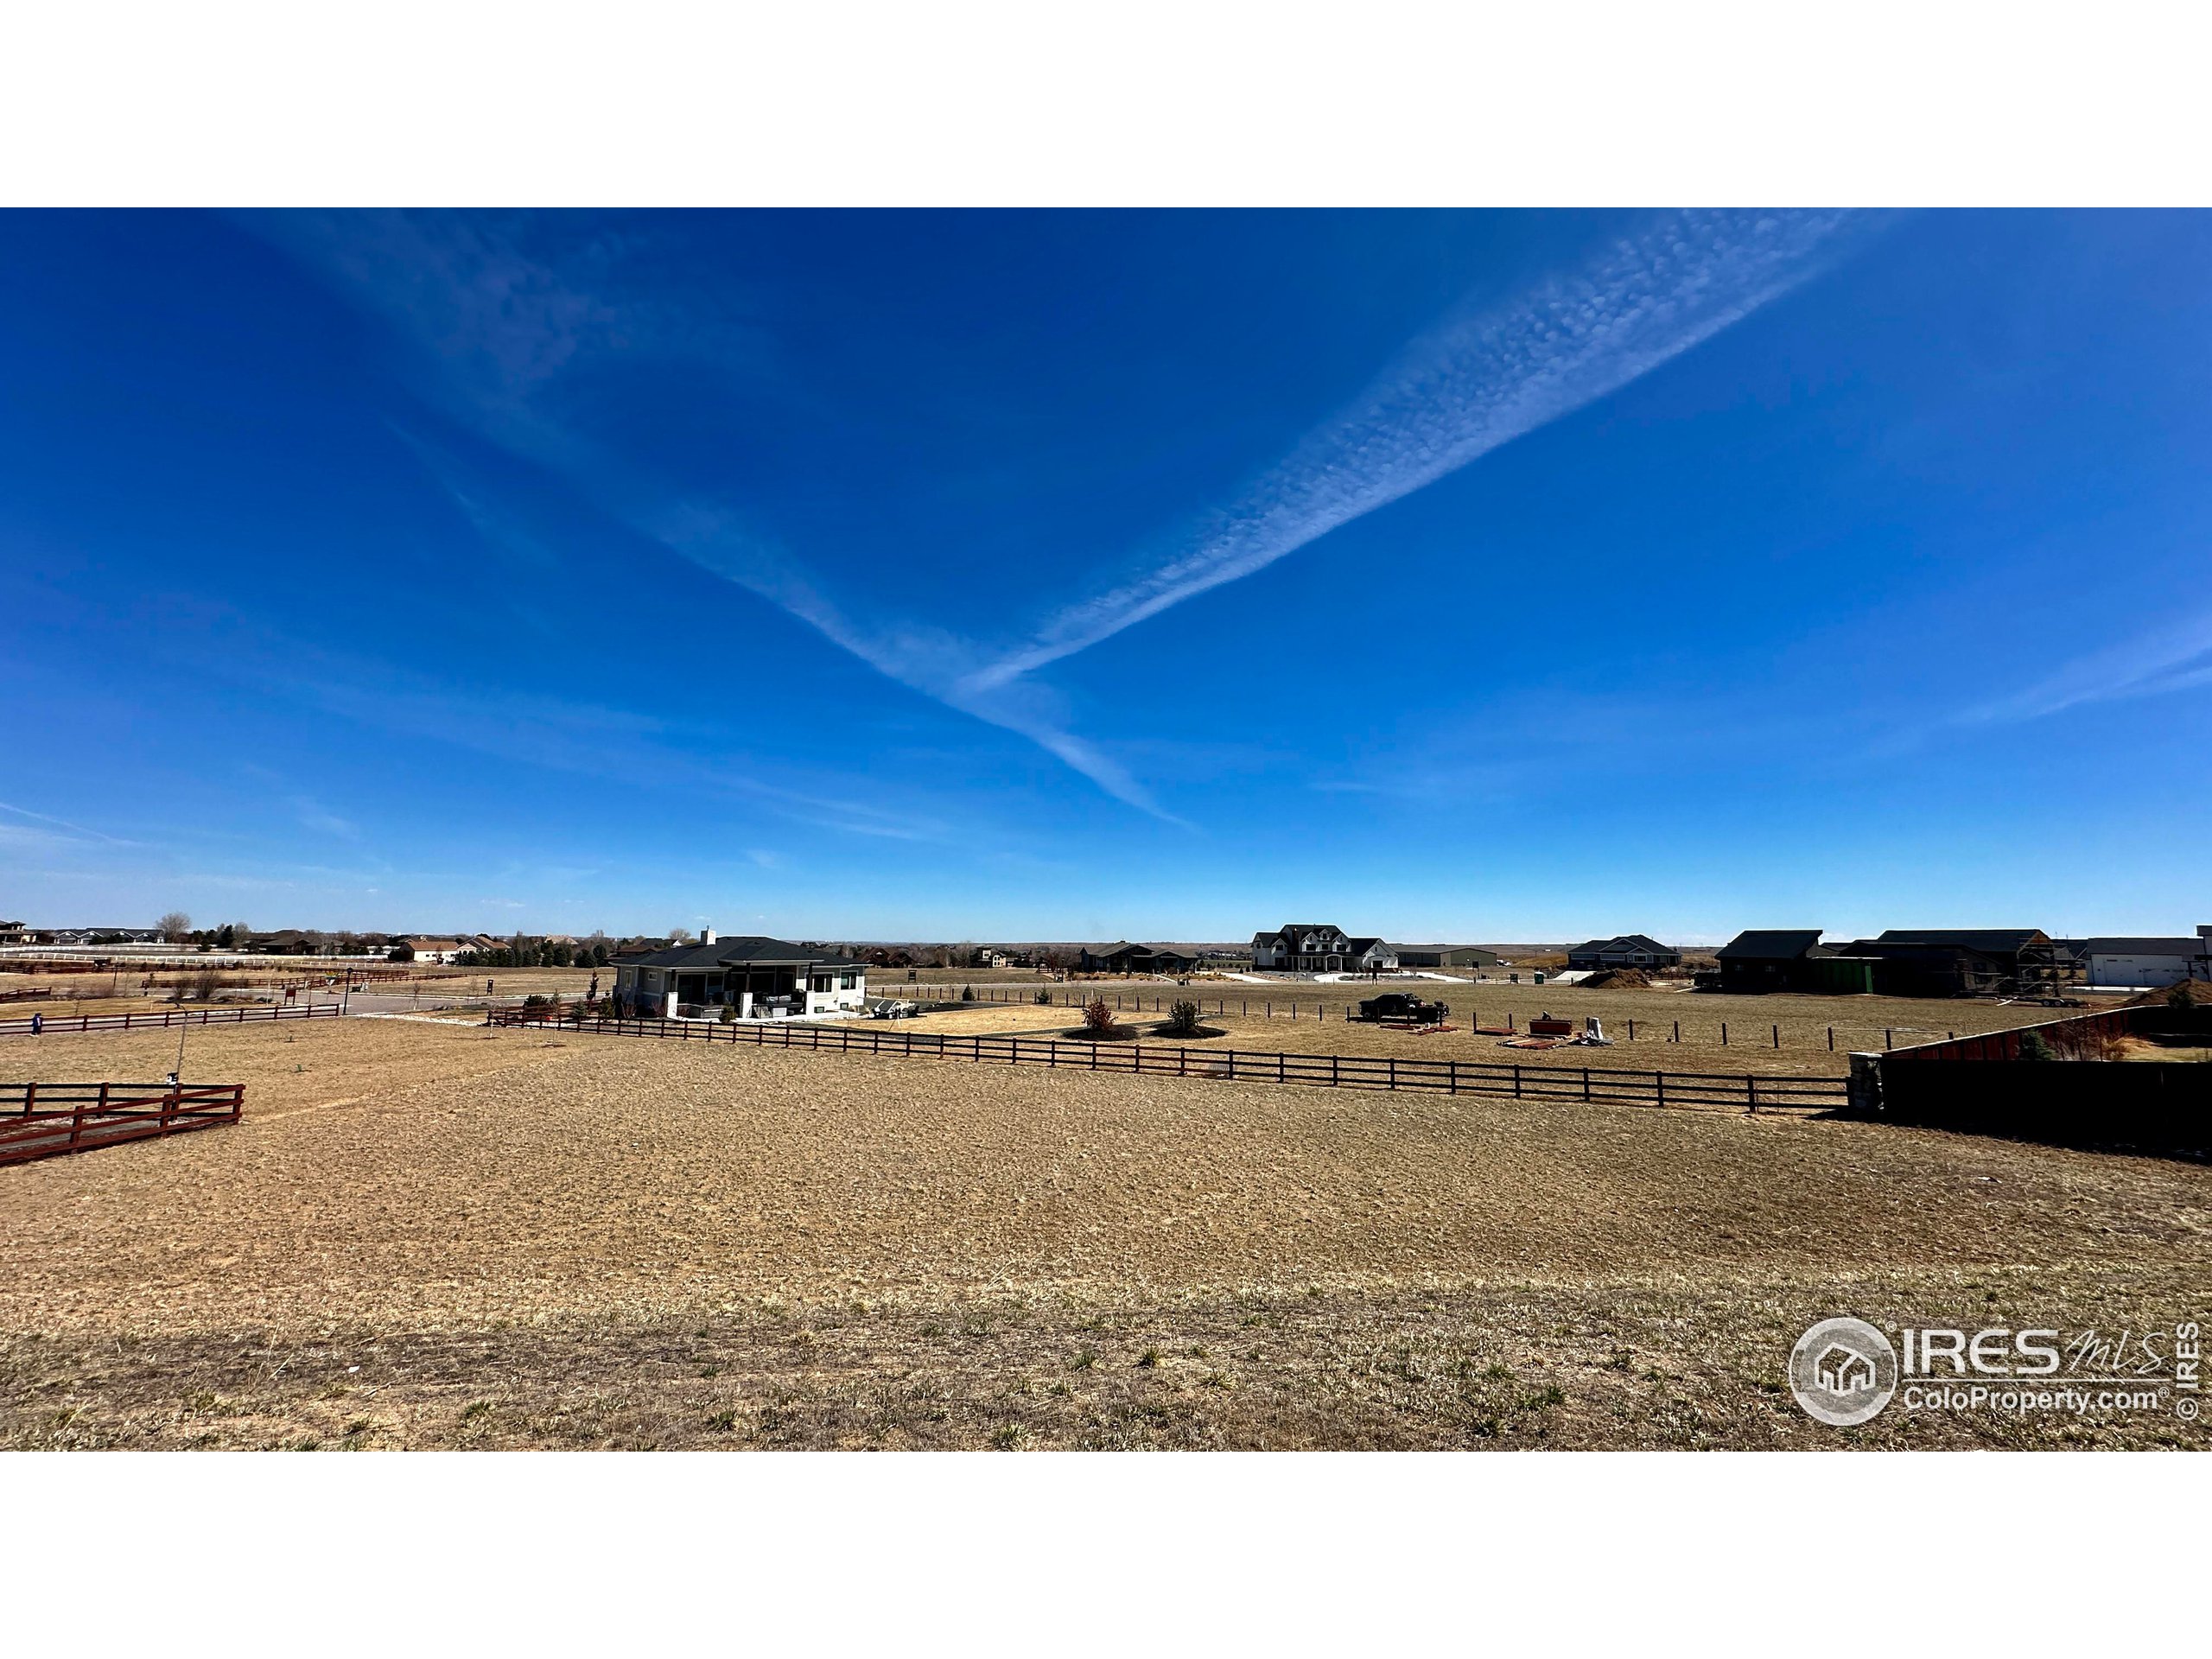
2174, 659
499, 330
69, 831
1475, 383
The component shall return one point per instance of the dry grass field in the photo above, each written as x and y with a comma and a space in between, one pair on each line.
1259, 1018
429, 1233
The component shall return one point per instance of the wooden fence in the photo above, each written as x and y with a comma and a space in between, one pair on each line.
937, 994
50, 1120
52, 1024
1707, 1090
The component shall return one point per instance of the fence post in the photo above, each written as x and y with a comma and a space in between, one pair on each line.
1677, 1037
1659, 1078
1585, 1083
1752, 1092
1453, 1086
1516, 1079
1777, 1036
1831, 1040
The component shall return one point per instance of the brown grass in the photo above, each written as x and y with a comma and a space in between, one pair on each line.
1640, 1023
610, 1241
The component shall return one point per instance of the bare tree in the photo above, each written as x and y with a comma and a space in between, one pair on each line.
175, 927
679, 935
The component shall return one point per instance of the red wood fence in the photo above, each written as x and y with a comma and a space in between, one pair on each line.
47, 1120
1687, 1089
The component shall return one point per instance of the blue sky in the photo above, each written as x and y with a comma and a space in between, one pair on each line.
1489, 577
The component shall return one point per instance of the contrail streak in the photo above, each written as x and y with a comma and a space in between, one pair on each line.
1462, 390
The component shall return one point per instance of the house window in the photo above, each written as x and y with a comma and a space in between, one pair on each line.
846, 981
820, 983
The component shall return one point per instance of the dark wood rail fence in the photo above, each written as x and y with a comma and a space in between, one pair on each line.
1705, 1091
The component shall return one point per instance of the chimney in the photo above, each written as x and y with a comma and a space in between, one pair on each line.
705, 936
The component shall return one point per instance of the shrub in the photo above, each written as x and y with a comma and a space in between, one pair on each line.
967, 993
2032, 1047
1183, 1019
1096, 1015
1043, 999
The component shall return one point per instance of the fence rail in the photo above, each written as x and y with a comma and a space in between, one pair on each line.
51, 1120
50, 1025
1740, 1032
1706, 1090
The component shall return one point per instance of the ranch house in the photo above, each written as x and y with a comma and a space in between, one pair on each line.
1781, 959
746, 978
1622, 950
1126, 958
1317, 948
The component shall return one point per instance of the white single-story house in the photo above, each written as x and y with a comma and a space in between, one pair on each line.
2151, 962
441, 951
1317, 948
750, 977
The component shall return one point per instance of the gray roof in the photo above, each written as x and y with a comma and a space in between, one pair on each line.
1630, 941
1773, 944
2191, 946
746, 950
1993, 941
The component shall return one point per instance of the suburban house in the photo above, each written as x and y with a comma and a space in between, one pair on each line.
1317, 948
1622, 950
1446, 956
441, 951
745, 978
1786, 959
2150, 964
14, 933
1126, 958
994, 956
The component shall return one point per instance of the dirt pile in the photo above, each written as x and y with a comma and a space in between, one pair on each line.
2189, 994
1619, 979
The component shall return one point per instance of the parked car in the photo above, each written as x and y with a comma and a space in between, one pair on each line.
1403, 1006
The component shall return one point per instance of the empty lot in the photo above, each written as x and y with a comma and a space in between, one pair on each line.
436, 1234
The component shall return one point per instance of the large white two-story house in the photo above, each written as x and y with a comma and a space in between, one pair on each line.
750, 977
1317, 948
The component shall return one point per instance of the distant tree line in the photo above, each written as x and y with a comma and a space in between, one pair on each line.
524, 951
